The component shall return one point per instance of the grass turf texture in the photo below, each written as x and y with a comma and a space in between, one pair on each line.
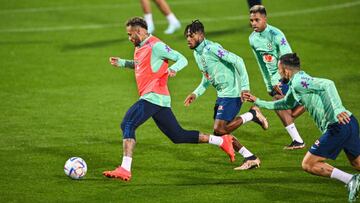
60, 98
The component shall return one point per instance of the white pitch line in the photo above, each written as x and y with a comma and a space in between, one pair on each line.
229, 18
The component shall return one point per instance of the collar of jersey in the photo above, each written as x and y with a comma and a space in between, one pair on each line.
144, 41
266, 29
201, 46
295, 75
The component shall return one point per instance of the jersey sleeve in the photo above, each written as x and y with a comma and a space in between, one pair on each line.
236, 61
288, 102
163, 51
126, 63
204, 84
314, 85
282, 44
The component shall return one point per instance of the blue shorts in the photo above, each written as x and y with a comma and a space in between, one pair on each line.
284, 87
338, 137
227, 108
164, 118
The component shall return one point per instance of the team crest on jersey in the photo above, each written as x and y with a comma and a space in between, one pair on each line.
267, 58
220, 108
206, 74
269, 46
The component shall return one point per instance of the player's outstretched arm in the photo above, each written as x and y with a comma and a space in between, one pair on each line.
189, 99
117, 62
114, 61
242, 97
247, 96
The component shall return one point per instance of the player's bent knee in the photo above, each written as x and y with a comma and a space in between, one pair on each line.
128, 130
219, 131
306, 166
356, 165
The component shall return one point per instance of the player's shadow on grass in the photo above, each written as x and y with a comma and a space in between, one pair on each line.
92, 45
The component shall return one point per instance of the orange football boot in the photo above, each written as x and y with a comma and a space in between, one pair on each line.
227, 146
119, 173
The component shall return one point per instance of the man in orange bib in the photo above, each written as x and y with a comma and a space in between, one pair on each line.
151, 72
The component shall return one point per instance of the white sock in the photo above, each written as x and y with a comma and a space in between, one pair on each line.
172, 19
246, 117
215, 140
149, 21
148, 18
294, 134
341, 175
245, 152
126, 163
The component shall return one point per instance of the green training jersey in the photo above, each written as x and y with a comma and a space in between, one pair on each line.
160, 52
268, 46
319, 96
224, 70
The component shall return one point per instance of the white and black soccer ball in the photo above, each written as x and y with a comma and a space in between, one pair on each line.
75, 168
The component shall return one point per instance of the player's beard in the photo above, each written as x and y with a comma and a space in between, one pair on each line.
196, 45
137, 41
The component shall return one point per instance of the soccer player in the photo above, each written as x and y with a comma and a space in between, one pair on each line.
226, 72
151, 69
339, 127
174, 23
268, 44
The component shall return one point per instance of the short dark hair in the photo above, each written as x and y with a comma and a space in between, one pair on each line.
137, 21
291, 60
258, 9
195, 26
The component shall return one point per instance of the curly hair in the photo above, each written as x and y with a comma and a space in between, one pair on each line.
137, 21
195, 26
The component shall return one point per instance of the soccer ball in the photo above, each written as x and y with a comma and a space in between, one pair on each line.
75, 168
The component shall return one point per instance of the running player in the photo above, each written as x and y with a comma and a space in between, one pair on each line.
268, 44
151, 72
226, 72
339, 127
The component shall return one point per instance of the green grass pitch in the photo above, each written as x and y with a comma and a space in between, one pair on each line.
59, 97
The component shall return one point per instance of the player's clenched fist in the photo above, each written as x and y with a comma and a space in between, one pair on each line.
114, 61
